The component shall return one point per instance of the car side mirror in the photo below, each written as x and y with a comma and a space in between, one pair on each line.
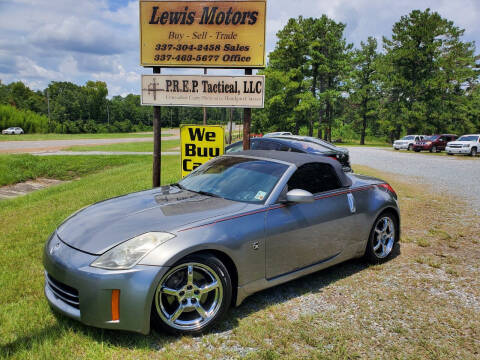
300, 196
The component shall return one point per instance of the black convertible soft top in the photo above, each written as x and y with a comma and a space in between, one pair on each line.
297, 159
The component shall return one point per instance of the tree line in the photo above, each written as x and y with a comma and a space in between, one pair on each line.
423, 80
64, 107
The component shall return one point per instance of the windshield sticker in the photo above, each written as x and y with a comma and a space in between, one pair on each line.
260, 195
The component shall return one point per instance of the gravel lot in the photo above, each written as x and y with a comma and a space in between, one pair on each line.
457, 175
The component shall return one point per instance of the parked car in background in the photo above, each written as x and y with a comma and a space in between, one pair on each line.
406, 143
294, 144
466, 144
316, 141
434, 143
277, 133
177, 257
13, 131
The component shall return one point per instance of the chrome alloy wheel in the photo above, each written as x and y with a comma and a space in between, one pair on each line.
189, 296
384, 237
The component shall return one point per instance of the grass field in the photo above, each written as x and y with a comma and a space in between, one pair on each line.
132, 147
376, 143
18, 168
34, 137
422, 304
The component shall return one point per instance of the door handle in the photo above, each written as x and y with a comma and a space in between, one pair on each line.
351, 203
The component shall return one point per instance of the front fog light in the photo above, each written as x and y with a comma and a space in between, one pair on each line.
128, 254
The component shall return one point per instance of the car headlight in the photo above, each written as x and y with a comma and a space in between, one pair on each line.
429, 143
128, 254
466, 145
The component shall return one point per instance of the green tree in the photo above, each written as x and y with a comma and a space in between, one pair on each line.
330, 62
426, 75
95, 94
312, 56
364, 86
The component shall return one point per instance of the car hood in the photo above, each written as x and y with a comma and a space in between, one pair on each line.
100, 227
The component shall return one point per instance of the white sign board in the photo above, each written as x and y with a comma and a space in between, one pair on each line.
203, 91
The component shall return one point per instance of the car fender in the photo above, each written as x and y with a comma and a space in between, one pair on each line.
379, 202
240, 237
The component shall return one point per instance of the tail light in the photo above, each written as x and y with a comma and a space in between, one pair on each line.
389, 189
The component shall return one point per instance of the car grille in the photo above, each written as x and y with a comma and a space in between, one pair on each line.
63, 292
455, 146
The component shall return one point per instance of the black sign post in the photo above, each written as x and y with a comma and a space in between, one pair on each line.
157, 141
247, 120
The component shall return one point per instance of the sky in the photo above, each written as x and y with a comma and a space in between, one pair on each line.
80, 40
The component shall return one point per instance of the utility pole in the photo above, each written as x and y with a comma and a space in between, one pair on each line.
48, 104
108, 114
247, 120
230, 127
157, 140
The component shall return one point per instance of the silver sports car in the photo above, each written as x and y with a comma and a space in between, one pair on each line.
179, 256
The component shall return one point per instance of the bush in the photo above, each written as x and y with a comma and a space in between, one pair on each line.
29, 121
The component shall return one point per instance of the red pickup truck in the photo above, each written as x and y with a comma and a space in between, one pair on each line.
434, 143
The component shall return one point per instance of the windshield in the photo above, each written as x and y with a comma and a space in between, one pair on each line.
322, 143
468, 138
236, 178
307, 146
235, 147
431, 138
410, 137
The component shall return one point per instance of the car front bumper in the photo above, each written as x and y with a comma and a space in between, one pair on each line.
84, 293
422, 147
401, 146
458, 150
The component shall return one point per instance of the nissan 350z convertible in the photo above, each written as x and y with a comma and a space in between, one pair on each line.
177, 257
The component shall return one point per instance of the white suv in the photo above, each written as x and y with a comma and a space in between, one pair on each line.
466, 144
407, 142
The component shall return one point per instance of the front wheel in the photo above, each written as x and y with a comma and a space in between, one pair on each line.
473, 152
382, 238
410, 147
433, 149
192, 296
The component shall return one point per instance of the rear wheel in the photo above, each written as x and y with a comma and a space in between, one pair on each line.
192, 296
382, 238
473, 152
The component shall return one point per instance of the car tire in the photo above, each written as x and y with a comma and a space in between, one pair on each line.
473, 152
417, 150
396, 149
383, 239
433, 149
449, 154
410, 147
186, 304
